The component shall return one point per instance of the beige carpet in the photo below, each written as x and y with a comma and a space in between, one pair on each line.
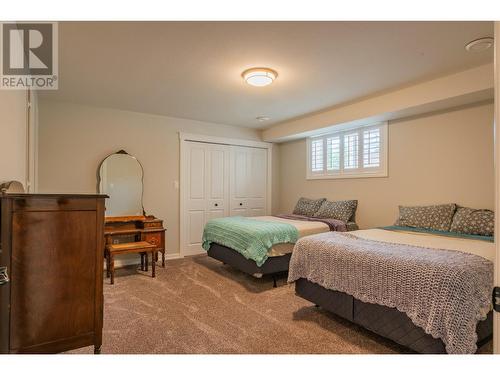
198, 305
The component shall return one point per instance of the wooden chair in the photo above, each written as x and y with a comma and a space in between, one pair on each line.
140, 247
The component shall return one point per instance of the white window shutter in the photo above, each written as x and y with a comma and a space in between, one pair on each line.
333, 153
371, 148
317, 155
357, 152
351, 154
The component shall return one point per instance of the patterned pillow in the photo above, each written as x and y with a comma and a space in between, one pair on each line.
307, 207
438, 217
340, 210
471, 221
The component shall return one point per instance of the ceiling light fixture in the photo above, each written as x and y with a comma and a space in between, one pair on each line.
263, 118
479, 45
259, 76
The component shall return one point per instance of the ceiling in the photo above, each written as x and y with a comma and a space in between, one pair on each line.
193, 69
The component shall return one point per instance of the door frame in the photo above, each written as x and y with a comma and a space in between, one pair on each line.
190, 137
496, 315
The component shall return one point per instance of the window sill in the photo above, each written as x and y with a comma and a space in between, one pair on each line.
347, 176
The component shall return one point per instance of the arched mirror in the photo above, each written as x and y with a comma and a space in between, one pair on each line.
121, 178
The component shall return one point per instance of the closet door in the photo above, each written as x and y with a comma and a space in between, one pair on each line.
196, 196
257, 182
248, 181
217, 204
207, 191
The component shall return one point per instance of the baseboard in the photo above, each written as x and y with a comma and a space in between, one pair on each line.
129, 261
173, 256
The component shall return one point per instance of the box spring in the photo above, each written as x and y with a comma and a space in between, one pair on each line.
229, 256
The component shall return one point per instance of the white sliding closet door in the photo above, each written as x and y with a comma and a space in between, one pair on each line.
207, 192
220, 179
248, 181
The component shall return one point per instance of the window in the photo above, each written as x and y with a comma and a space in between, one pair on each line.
358, 152
333, 153
317, 155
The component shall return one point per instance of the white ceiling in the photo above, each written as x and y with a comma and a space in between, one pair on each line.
192, 69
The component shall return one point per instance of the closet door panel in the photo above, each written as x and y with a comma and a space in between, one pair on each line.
257, 184
240, 173
239, 177
196, 197
258, 173
196, 223
217, 204
217, 174
197, 173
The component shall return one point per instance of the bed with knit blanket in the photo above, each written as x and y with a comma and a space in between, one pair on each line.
263, 245
426, 291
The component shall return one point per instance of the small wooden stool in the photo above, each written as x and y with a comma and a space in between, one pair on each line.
128, 248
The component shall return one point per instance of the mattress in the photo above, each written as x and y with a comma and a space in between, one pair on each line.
304, 228
481, 248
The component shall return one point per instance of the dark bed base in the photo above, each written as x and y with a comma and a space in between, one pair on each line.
272, 266
387, 322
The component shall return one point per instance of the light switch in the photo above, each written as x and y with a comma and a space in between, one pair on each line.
176, 185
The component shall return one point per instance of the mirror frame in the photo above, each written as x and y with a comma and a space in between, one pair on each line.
122, 152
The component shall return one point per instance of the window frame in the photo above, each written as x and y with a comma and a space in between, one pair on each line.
361, 171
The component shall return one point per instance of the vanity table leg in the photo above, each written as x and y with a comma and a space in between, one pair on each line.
107, 264
153, 264
112, 268
142, 261
163, 258
146, 261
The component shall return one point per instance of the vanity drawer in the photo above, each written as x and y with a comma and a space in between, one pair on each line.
156, 223
154, 238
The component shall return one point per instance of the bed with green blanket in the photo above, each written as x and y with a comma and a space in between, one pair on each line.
250, 243
249, 237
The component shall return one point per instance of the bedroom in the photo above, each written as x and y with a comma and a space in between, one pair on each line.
374, 122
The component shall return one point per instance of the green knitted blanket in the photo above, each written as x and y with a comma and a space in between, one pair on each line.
250, 237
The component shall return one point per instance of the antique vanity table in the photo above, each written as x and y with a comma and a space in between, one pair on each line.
128, 230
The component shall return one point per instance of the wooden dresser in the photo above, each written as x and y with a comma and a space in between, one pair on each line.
51, 258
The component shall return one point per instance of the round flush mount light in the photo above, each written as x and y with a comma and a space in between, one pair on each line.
263, 118
259, 76
479, 45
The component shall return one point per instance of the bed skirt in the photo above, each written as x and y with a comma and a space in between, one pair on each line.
384, 321
229, 256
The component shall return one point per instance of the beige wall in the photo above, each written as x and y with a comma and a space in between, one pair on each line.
436, 158
73, 139
13, 138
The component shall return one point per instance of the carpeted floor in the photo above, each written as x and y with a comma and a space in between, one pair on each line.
197, 305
